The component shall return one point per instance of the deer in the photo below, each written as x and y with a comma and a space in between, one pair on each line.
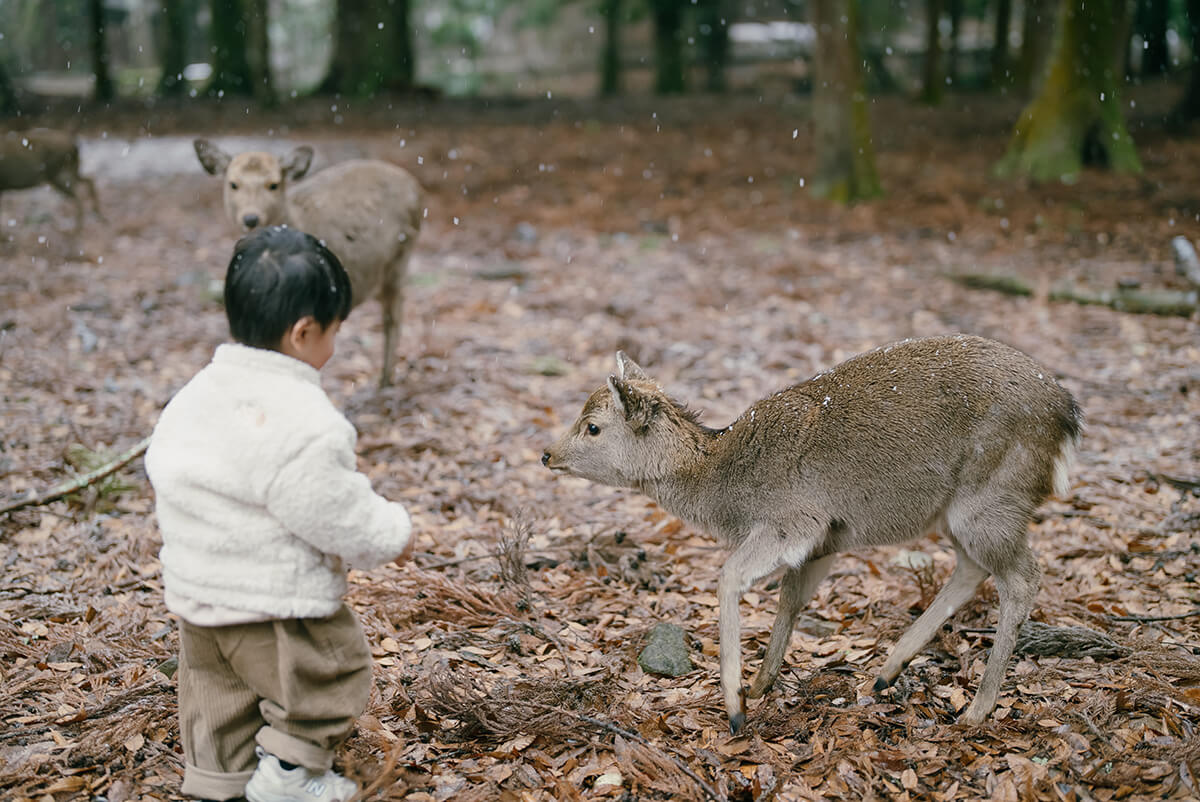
959, 434
46, 156
368, 212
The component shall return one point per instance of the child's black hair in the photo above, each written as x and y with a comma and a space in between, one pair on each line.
277, 276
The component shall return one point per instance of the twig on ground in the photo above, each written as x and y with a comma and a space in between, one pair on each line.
79, 483
1143, 619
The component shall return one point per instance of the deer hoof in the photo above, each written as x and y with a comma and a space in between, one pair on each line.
881, 684
736, 722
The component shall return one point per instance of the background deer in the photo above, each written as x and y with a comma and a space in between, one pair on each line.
367, 212
45, 156
959, 434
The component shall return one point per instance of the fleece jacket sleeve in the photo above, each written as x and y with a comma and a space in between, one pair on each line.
322, 499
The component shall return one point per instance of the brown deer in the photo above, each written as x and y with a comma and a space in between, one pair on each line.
367, 212
959, 434
45, 156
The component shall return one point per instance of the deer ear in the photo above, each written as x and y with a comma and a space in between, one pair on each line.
637, 409
212, 158
628, 369
296, 165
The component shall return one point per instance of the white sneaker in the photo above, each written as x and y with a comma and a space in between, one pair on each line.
273, 783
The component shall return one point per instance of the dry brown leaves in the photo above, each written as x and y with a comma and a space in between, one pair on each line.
506, 654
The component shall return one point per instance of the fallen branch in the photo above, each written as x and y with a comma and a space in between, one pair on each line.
1123, 299
79, 483
1143, 619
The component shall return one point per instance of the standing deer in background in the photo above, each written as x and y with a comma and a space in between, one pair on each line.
959, 434
367, 212
45, 156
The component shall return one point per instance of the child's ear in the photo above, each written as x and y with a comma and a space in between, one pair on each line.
300, 333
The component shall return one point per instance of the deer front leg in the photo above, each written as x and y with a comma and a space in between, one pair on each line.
796, 588
756, 557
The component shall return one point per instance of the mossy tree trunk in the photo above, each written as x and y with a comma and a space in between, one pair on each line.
1076, 119
1037, 37
955, 9
99, 43
932, 78
610, 55
670, 74
231, 68
845, 155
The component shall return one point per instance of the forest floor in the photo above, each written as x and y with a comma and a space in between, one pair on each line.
557, 233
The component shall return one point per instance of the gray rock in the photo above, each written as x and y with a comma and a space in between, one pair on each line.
666, 653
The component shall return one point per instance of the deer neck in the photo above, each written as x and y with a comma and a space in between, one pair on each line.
686, 482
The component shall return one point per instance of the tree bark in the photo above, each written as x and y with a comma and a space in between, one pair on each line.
845, 155
1000, 74
610, 55
670, 77
1037, 37
99, 43
932, 81
1188, 108
1076, 117
714, 21
231, 69
174, 47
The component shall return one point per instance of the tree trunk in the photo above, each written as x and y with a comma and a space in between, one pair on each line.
714, 40
1188, 108
258, 50
8, 93
610, 55
402, 61
358, 65
231, 69
955, 9
932, 80
1076, 117
1000, 74
173, 46
845, 155
670, 77
1152, 24
99, 42
1037, 37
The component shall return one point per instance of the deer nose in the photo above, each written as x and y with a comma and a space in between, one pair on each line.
250, 220
545, 457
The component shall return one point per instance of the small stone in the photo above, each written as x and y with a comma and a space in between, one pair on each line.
666, 653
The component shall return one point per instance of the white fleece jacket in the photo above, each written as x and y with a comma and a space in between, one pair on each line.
258, 497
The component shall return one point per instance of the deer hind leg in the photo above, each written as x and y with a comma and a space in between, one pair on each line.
961, 586
1017, 577
391, 296
796, 588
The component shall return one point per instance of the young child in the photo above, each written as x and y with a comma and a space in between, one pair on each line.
261, 509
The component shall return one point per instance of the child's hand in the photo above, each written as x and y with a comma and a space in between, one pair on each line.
406, 555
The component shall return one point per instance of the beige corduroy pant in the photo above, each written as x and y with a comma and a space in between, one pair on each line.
294, 687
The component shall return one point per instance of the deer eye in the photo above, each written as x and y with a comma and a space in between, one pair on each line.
593, 429
233, 185
272, 187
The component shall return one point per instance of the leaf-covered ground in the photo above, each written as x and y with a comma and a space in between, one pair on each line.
507, 652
